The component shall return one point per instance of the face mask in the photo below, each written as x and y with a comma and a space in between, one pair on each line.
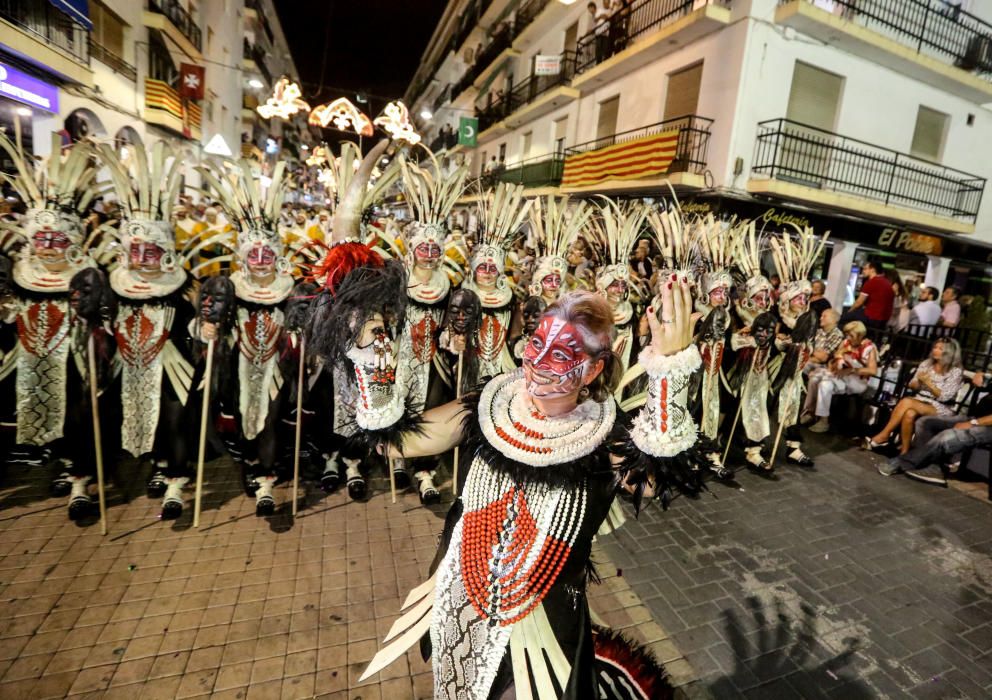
555, 360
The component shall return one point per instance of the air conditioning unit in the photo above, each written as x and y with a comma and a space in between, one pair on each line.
978, 55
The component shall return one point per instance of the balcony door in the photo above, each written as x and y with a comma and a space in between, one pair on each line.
606, 121
806, 155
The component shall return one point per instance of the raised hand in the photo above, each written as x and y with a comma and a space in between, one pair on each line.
671, 331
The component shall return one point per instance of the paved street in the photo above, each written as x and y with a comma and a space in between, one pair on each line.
835, 582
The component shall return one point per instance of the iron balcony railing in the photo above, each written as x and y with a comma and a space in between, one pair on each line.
802, 154
257, 54
542, 171
180, 18
691, 150
527, 90
632, 21
938, 29
40, 19
112, 60
499, 43
527, 13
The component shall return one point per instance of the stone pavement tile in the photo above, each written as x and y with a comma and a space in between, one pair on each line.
298, 687
92, 679
161, 688
135, 671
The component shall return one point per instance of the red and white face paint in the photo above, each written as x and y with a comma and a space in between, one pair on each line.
261, 259
719, 296
146, 256
50, 245
761, 299
551, 283
426, 255
485, 274
555, 360
617, 290
799, 302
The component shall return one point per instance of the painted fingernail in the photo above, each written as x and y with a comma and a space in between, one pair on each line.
685, 280
674, 277
669, 285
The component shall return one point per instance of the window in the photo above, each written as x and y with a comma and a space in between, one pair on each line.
682, 96
572, 37
108, 29
561, 127
525, 143
502, 153
606, 123
814, 99
929, 134
210, 38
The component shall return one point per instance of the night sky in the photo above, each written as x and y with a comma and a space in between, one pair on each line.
372, 46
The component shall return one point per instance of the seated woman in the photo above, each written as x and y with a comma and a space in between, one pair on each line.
847, 372
936, 383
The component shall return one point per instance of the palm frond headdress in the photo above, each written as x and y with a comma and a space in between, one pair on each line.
616, 228
502, 211
554, 225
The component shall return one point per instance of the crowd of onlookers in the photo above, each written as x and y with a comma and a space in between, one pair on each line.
929, 416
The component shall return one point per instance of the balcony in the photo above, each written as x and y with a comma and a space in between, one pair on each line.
164, 108
486, 63
673, 151
640, 33
173, 20
253, 60
945, 47
532, 97
543, 171
796, 161
533, 20
113, 61
36, 30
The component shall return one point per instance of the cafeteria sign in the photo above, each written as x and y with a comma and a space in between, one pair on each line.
547, 65
25, 88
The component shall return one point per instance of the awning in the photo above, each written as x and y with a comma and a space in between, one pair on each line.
77, 10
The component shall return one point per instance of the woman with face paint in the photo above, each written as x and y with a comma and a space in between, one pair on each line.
546, 453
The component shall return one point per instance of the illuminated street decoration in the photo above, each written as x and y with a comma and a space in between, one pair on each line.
286, 101
343, 115
319, 156
395, 121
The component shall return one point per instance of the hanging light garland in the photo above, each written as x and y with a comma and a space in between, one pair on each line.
343, 115
286, 101
395, 121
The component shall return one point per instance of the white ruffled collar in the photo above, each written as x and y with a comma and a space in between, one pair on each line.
35, 278
128, 285
246, 290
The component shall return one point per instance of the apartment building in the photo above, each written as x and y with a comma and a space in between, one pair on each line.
111, 69
867, 118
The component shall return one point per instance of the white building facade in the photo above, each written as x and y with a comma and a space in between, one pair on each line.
110, 69
862, 117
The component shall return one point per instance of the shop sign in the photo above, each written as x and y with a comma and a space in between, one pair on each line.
780, 219
25, 88
910, 242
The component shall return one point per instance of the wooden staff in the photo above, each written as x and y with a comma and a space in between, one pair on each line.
299, 420
740, 405
392, 478
97, 437
458, 395
204, 414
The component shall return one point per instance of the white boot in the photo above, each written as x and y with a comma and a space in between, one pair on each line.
265, 502
80, 503
425, 486
796, 454
331, 477
356, 482
172, 503
754, 458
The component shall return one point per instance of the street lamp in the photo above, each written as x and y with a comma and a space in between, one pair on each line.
426, 114
255, 84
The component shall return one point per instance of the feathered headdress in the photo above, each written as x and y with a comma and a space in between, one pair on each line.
254, 212
676, 236
715, 244
617, 229
794, 258
747, 247
554, 226
432, 195
503, 211
146, 189
56, 195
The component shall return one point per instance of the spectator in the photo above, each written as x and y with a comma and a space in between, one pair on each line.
776, 282
602, 20
950, 315
900, 305
912, 291
828, 339
927, 310
939, 438
852, 365
641, 264
874, 302
936, 383
817, 302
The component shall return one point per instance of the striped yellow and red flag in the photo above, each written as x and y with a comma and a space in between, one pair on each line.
643, 157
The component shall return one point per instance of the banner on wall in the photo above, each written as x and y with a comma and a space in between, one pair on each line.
191, 81
547, 65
